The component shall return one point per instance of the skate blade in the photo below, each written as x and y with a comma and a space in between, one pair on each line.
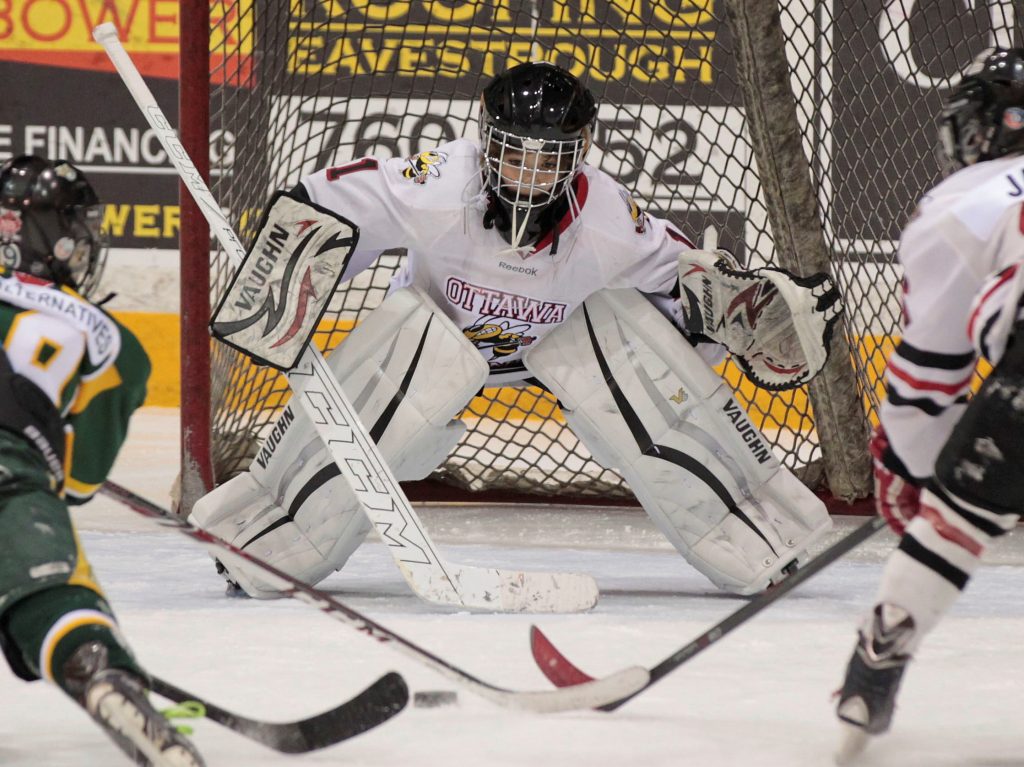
852, 743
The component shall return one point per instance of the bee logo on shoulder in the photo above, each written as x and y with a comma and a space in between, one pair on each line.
639, 216
423, 165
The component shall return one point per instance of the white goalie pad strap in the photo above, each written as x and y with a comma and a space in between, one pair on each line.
409, 372
644, 403
778, 326
284, 283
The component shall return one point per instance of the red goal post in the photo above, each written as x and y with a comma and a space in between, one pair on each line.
800, 132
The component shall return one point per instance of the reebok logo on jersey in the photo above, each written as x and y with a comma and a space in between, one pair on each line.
530, 271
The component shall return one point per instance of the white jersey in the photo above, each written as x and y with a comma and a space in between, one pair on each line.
503, 299
964, 230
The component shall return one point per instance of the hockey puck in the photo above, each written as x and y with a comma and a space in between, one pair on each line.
434, 698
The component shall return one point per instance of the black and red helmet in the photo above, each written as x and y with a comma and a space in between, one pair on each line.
983, 116
51, 222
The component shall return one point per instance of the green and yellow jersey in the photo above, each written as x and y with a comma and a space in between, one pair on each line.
92, 368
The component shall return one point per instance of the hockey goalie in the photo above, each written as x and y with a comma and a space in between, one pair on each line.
528, 266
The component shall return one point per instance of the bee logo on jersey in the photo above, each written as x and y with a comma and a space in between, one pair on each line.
423, 165
499, 336
639, 216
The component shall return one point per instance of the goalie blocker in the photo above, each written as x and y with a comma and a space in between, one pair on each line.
699, 467
282, 288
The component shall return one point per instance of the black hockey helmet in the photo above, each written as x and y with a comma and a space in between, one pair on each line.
536, 122
51, 222
983, 116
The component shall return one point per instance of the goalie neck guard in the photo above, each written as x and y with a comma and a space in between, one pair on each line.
983, 116
536, 122
50, 223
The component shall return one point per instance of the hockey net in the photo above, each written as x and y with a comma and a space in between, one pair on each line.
714, 114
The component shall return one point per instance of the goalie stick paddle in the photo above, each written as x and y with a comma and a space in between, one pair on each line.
563, 673
593, 694
355, 453
373, 706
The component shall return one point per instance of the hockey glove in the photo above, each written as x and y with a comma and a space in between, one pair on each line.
897, 494
777, 326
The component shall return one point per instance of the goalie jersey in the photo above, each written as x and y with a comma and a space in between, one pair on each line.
965, 230
88, 374
503, 299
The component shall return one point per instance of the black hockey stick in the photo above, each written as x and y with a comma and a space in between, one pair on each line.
374, 705
592, 694
563, 673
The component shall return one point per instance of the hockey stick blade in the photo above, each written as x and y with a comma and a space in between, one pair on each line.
561, 672
591, 695
337, 423
373, 706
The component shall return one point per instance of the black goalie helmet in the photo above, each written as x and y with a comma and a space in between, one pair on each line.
51, 223
983, 116
536, 122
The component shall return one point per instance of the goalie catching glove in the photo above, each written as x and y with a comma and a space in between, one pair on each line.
777, 326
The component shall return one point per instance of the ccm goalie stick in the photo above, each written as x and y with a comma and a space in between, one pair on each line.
336, 421
592, 694
563, 673
373, 706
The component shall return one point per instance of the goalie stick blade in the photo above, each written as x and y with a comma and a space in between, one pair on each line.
373, 706
563, 673
511, 591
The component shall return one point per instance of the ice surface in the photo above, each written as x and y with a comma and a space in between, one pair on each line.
760, 697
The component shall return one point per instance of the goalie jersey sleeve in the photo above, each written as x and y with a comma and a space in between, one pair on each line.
91, 368
956, 238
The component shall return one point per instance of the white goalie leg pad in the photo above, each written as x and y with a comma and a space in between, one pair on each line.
409, 372
642, 400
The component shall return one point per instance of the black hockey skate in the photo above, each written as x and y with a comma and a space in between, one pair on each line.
233, 590
116, 700
867, 698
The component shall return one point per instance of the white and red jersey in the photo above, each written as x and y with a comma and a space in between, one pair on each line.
503, 299
964, 230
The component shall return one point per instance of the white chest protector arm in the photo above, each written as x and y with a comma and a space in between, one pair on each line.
409, 371
644, 403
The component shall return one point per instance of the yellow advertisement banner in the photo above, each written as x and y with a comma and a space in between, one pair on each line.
61, 30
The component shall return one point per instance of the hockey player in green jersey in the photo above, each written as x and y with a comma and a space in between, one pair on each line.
70, 378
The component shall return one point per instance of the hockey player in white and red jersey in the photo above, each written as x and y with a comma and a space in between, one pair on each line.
949, 470
526, 264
